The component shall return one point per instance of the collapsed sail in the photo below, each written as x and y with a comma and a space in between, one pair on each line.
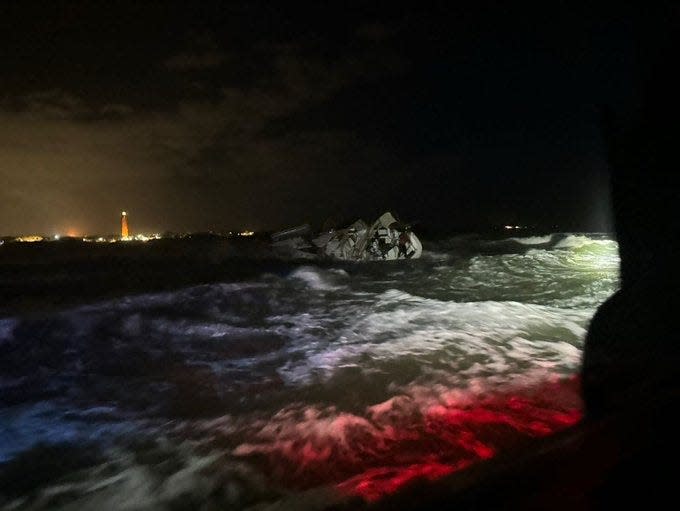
385, 240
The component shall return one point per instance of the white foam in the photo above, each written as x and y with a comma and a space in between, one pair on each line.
578, 241
405, 326
431, 255
314, 278
533, 240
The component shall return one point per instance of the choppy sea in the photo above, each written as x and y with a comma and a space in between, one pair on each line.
301, 389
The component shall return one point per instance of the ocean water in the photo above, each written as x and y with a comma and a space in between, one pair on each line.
303, 389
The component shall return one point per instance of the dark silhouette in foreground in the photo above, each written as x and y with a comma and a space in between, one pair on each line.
631, 357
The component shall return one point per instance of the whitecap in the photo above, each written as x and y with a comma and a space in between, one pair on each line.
533, 240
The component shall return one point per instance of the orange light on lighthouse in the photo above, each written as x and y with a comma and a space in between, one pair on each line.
124, 231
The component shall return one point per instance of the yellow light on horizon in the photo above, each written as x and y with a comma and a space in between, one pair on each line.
29, 239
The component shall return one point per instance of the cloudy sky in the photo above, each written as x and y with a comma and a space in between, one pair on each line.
240, 114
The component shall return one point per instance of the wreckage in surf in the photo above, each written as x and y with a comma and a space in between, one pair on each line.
386, 239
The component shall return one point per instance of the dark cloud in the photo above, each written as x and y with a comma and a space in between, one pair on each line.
204, 163
219, 116
377, 32
195, 61
57, 105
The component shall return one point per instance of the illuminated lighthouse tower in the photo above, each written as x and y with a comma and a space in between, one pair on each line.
124, 231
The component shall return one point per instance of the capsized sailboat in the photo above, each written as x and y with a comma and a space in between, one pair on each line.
386, 239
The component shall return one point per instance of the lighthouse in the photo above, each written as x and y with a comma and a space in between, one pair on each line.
124, 230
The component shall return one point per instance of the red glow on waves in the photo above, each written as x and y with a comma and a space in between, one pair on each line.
469, 434
407, 438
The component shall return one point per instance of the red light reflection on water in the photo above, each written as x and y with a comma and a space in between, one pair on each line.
466, 435
408, 438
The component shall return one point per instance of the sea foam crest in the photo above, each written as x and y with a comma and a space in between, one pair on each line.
317, 279
533, 240
579, 240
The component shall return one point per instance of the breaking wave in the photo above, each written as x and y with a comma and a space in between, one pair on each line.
534, 240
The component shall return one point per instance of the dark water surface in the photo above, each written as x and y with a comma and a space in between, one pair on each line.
303, 389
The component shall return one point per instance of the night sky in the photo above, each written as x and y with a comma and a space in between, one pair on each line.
214, 116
